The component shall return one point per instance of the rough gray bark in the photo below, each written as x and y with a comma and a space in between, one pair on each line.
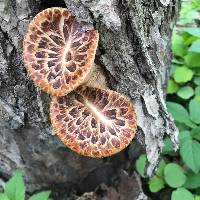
134, 51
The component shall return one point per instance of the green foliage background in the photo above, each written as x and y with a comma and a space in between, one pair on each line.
15, 189
179, 173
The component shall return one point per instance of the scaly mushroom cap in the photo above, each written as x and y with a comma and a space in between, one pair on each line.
58, 53
94, 122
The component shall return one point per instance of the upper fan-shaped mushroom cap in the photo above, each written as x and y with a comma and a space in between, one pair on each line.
94, 122
58, 53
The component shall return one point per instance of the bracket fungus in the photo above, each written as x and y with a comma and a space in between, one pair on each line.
94, 122
58, 53
59, 56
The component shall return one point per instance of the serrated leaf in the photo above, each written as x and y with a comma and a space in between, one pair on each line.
14, 188
156, 184
194, 109
190, 151
192, 59
192, 181
3, 197
41, 196
174, 175
185, 92
182, 194
195, 47
183, 74
140, 164
172, 87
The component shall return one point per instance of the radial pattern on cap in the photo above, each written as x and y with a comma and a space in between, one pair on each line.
58, 53
94, 122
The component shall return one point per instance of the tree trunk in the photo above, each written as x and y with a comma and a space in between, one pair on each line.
134, 51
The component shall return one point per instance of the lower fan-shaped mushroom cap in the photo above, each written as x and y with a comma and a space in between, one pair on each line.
58, 53
94, 122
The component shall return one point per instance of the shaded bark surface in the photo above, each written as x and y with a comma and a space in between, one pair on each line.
134, 51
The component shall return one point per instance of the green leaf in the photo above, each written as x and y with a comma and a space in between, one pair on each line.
183, 74
179, 113
179, 61
188, 17
197, 71
197, 197
41, 196
189, 39
160, 170
191, 124
174, 175
140, 164
3, 197
197, 91
195, 133
172, 69
195, 47
182, 127
14, 188
197, 80
193, 31
178, 46
184, 136
156, 184
182, 194
185, 92
194, 108
168, 146
190, 151
196, 4
192, 181
172, 87
192, 59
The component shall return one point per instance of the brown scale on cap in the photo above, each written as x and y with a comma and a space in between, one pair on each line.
58, 53
94, 122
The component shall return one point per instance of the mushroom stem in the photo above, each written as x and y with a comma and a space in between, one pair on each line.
96, 78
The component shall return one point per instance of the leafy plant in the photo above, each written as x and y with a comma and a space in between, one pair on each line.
15, 189
182, 193
171, 179
179, 173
